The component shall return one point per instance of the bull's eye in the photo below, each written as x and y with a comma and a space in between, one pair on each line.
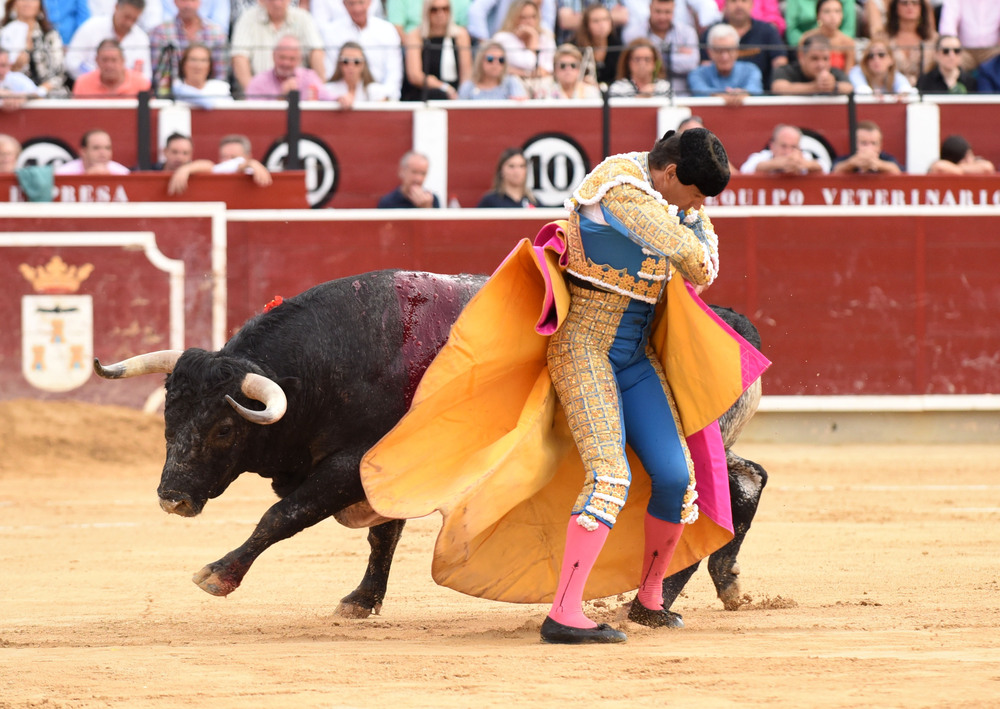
224, 430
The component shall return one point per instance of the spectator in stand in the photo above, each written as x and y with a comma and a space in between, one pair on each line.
677, 42
812, 73
258, 30
377, 37
120, 25
411, 193
193, 84
988, 76
783, 156
976, 23
510, 183
235, 157
764, 10
868, 156
801, 16
912, 34
877, 74
177, 151
187, 27
214, 12
111, 78
326, 11
35, 46
151, 16
352, 82
947, 76
437, 55
600, 41
408, 15
569, 15
67, 16
640, 72
15, 87
287, 74
727, 77
567, 81
829, 17
529, 45
490, 80
760, 42
958, 158
699, 15
95, 157
485, 16
10, 151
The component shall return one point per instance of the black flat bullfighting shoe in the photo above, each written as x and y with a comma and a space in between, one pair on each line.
638, 613
553, 632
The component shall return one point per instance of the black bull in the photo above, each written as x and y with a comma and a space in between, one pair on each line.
335, 368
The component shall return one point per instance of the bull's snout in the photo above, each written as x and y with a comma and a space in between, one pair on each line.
179, 505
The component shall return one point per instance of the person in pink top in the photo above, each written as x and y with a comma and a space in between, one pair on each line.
976, 23
287, 75
111, 79
95, 157
764, 10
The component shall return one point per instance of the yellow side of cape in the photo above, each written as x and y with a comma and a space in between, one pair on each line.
486, 444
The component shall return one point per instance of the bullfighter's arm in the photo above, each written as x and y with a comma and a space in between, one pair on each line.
692, 250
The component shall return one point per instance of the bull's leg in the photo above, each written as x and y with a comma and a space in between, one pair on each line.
334, 484
746, 482
674, 584
367, 598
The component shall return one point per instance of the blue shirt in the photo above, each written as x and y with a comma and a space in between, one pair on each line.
706, 81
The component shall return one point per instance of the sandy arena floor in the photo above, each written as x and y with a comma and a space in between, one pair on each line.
871, 572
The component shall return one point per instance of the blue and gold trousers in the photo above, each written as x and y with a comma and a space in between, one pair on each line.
613, 391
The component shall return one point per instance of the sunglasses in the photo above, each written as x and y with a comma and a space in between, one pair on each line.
440, 9
568, 65
878, 55
950, 50
500, 60
908, 2
347, 61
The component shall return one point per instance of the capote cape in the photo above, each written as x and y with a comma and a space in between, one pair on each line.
485, 441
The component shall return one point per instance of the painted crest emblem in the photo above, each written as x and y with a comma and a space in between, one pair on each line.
57, 327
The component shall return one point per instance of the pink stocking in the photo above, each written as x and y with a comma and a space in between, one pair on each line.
582, 549
661, 540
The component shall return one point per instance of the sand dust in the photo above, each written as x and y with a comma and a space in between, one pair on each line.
870, 578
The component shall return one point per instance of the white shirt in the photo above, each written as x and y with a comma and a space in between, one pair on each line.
486, 16
75, 167
150, 17
81, 55
214, 92
707, 13
379, 39
216, 11
373, 92
254, 36
17, 83
520, 57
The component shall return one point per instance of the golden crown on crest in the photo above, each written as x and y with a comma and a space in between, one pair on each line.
56, 276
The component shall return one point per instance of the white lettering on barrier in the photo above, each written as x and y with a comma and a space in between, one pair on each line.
87, 193
861, 197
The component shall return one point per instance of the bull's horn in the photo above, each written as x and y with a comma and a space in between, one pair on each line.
161, 362
265, 391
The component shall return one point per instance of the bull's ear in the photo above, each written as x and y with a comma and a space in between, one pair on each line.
290, 385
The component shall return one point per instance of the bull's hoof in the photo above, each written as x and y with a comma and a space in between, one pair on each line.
350, 609
731, 597
638, 613
211, 582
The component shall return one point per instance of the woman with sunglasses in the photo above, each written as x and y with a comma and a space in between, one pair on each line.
567, 81
912, 32
437, 55
877, 74
640, 72
352, 81
947, 76
490, 80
